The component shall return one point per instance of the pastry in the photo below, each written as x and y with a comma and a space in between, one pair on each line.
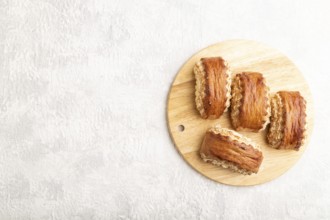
212, 87
229, 149
288, 120
250, 109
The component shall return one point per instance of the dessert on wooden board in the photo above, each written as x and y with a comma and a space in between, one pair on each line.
279, 73
247, 94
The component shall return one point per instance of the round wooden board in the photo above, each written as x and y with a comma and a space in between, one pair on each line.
242, 55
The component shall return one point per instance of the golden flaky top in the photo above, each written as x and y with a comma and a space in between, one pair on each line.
294, 114
288, 121
212, 87
230, 147
250, 107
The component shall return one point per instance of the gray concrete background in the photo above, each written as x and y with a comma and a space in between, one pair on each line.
83, 88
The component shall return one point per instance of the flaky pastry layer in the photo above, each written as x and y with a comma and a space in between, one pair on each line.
212, 90
275, 133
229, 149
250, 103
288, 123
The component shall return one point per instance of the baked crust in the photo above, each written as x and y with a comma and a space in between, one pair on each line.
250, 108
229, 149
212, 88
288, 121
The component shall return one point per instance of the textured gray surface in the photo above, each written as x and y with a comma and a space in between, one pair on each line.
83, 88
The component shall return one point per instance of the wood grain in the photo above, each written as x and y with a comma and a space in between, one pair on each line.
242, 55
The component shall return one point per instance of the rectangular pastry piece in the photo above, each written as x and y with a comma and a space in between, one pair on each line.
212, 87
288, 121
250, 108
229, 149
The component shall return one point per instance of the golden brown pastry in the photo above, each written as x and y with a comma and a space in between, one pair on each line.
229, 149
212, 87
288, 120
250, 109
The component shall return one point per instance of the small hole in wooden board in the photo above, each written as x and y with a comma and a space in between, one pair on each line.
181, 128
